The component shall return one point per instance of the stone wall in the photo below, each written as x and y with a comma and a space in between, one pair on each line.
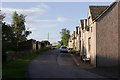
119, 31
38, 45
13, 55
28, 45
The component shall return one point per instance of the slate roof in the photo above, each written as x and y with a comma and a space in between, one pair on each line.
97, 10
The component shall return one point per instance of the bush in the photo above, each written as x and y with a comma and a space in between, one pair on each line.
72, 51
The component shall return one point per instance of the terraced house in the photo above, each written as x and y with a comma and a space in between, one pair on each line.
100, 37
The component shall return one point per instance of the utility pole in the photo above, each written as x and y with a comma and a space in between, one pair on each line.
48, 36
48, 39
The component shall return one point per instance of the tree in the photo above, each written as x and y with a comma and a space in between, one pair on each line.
8, 38
65, 35
18, 25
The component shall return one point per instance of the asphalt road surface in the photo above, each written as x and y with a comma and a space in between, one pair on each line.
53, 64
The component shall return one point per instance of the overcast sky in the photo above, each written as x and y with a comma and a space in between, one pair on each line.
51, 17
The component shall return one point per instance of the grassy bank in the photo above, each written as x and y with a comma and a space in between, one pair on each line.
18, 67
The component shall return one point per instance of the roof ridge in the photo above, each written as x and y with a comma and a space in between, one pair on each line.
98, 5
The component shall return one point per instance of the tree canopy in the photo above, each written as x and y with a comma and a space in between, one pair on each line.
8, 38
65, 35
18, 25
14, 33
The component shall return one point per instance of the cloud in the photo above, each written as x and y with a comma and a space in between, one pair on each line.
32, 21
49, 21
42, 5
24, 11
36, 10
62, 19
33, 18
34, 14
31, 13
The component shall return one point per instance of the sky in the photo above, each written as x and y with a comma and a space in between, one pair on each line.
49, 17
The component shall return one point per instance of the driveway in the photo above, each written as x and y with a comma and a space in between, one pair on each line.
53, 64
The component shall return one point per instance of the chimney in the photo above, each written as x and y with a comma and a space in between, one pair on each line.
73, 33
85, 23
82, 23
77, 29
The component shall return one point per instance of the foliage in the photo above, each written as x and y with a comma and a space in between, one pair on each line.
18, 25
65, 35
15, 33
59, 44
8, 38
72, 51
2, 16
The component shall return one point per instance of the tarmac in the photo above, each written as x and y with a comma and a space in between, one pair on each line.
52, 64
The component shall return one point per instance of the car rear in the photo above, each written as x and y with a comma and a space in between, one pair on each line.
64, 49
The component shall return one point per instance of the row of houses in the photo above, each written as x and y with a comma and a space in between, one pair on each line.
98, 36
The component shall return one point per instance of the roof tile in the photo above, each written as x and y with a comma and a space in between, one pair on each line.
97, 10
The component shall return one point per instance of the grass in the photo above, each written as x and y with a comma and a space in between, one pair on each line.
18, 67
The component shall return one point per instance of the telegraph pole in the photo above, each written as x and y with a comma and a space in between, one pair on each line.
48, 39
48, 36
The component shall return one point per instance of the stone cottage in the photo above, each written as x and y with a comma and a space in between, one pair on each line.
102, 34
107, 36
77, 39
90, 32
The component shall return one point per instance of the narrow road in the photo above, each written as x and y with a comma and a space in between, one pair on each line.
53, 64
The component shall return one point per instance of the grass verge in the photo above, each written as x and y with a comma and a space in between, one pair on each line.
18, 67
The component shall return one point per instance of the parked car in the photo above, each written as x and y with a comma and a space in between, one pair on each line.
63, 49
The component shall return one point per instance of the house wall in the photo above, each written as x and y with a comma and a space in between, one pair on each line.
86, 43
83, 39
119, 31
70, 43
92, 35
81, 48
75, 41
93, 45
107, 38
78, 39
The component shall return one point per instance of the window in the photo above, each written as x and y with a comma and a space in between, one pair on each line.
87, 28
